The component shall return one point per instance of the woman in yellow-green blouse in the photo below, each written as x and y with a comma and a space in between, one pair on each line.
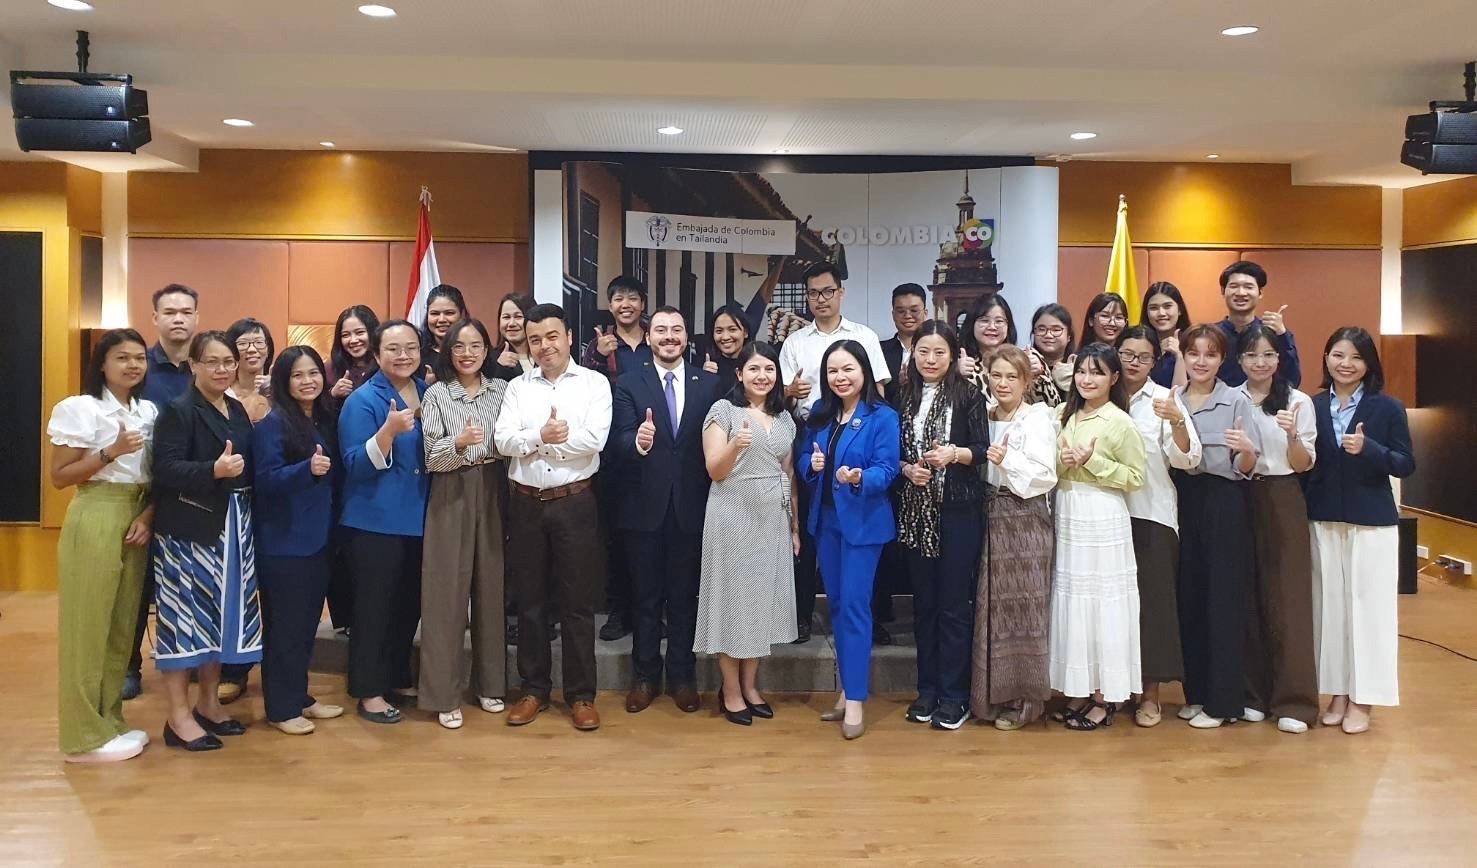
1094, 642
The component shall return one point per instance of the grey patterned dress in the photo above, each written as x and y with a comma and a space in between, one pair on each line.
746, 601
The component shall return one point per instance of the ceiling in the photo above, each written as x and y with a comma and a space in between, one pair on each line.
1324, 86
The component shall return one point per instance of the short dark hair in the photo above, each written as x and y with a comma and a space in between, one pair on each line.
820, 269
1051, 308
442, 367
342, 362
175, 288
541, 312
667, 308
1141, 332
983, 305
774, 402
1246, 267
374, 336
197, 345
903, 289
624, 283
1364, 344
93, 381
246, 325
1171, 292
1218, 340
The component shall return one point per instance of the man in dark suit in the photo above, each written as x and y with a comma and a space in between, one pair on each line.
909, 310
657, 438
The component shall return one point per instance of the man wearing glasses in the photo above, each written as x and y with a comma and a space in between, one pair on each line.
800, 367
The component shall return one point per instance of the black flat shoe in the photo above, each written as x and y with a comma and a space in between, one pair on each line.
229, 726
802, 631
762, 710
389, 715
402, 700
203, 743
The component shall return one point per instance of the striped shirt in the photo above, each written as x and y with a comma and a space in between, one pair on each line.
445, 409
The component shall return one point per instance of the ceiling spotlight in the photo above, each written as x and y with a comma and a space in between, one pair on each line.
1082, 137
327, 144
375, 10
670, 130
1240, 30
1212, 156
237, 122
71, 5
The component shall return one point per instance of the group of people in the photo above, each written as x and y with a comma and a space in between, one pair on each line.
1092, 518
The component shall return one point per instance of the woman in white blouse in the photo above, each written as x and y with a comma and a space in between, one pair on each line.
1280, 674
1169, 442
101, 441
1011, 680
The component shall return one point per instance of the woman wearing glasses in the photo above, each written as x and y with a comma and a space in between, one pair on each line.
1106, 319
204, 558
1053, 341
252, 386
1165, 313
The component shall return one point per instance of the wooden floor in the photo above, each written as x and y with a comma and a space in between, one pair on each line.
663, 788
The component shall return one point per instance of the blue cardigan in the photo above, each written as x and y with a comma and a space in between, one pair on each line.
1356, 488
389, 501
872, 442
292, 510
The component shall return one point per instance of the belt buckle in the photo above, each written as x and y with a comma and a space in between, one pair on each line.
546, 494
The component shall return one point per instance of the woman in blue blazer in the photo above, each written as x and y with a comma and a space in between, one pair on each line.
1363, 440
384, 516
293, 500
849, 460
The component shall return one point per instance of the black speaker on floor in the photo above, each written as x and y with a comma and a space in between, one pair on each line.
1407, 559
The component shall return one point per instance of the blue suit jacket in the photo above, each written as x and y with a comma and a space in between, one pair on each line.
1356, 488
674, 469
292, 510
871, 441
389, 501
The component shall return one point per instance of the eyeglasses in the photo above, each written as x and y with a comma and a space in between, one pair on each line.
1049, 331
1130, 357
460, 349
1268, 357
1104, 316
826, 293
218, 364
252, 344
997, 323
393, 350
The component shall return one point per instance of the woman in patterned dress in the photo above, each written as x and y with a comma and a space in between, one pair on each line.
746, 597
204, 560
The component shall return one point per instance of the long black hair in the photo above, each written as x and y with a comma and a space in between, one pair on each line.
1103, 359
1051, 308
342, 361
443, 368
1172, 292
953, 389
93, 381
1101, 302
1364, 345
828, 408
452, 294
734, 311
774, 402
301, 430
1279, 396
983, 305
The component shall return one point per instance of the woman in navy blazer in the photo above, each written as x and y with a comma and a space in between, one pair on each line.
850, 458
1363, 440
384, 516
293, 499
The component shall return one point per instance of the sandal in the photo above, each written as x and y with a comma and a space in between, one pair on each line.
1066, 711
1080, 722
1146, 718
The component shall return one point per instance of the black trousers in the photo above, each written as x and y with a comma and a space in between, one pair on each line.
806, 570
1217, 563
292, 591
943, 604
340, 583
620, 580
387, 608
554, 564
665, 564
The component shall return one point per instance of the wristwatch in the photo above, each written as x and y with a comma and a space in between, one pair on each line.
103, 454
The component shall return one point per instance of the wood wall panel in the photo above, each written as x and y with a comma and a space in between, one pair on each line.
1197, 275
1081, 274
324, 277
235, 278
483, 272
1444, 213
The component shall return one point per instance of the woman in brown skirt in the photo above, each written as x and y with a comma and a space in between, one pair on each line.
1011, 681
462, 561
1280, 677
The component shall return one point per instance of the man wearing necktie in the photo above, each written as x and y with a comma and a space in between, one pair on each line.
657, 438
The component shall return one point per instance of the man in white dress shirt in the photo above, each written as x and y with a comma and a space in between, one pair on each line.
800, 367
554, 422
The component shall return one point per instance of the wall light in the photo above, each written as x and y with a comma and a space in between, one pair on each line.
71, 5
1240, 30
1082, 137
375, 10
238, 122
670, 130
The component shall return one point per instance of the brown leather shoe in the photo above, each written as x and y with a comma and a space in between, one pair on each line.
641, 696
525, 710
586, 717
687, 698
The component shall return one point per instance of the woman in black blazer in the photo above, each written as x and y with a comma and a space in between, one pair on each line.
1363, 440
204, 559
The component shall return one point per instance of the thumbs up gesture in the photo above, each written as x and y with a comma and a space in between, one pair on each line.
1287, 420
399, 421
1168, 409
229, 465
508, 358
342, 387
708, 364
646, 433
555, 430
996, 453
1236, 437
817, 458
745, 436
319, 464
799, 389
1354, 443
967, 364
126, 442
605, 340
471, 434
1272, 319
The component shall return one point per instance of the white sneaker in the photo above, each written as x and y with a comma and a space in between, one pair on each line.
119, 748
1252, 715
1187, 712
491, 704
1204, 721
137, 735
1292, 725
450, 719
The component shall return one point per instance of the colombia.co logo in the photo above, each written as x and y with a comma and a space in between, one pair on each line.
657, 227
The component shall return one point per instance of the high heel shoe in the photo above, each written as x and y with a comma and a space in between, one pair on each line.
229, 726
834, 715
744, 717
761, 710
1334, 714
203, 743
851, 731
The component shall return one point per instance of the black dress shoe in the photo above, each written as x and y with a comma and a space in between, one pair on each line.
389, 715
763, 710
203, 743
742, 717
880, 636
614, 628
803, 629
229, 726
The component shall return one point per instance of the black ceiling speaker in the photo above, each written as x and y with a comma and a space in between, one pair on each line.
78, 111
1444, 140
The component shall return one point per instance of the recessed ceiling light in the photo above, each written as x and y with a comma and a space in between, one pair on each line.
1240, 30
327, 144
237, 122
375, 10
1081, 137
71, 5
670, 131
1212, 156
